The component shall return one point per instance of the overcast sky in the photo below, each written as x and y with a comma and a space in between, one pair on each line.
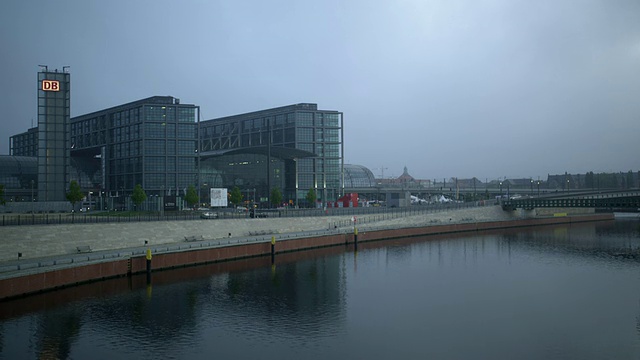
447, 88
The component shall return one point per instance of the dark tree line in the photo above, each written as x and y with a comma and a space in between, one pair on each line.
611, 180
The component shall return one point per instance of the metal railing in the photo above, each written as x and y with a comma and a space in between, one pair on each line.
97, 218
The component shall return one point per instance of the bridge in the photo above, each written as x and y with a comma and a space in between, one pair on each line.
624, 201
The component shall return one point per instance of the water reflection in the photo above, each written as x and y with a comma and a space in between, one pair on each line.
56, 331
552, 292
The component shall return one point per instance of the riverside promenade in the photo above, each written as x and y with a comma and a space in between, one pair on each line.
50, 257
43, 241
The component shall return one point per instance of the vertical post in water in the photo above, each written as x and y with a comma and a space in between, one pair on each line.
273, 249
355, 238
148, 261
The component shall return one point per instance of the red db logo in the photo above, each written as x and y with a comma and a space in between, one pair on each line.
50, 85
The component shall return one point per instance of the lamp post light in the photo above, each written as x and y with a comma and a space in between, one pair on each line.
531, 186
500, 190
538, 188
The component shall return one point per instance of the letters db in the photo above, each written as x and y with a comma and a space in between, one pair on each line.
50, 85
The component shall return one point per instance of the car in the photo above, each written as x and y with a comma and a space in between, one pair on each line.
209, 215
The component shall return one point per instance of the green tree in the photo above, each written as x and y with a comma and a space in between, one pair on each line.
2, 200
191, 197
276, 197
235, 196
138, 196
75, 193
311, 198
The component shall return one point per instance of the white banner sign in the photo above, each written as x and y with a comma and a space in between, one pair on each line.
218, 197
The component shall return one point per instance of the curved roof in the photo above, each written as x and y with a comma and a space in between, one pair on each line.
358, 176
285, 153
16, 165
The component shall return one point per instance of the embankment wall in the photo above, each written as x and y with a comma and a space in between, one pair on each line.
34, 283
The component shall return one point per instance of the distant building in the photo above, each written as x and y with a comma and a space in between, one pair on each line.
405, 178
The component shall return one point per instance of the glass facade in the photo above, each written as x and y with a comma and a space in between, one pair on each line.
53, 135
293, 148
25, 144
158, 143
358, 176
151, 142
19, 175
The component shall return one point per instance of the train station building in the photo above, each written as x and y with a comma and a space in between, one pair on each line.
165, 146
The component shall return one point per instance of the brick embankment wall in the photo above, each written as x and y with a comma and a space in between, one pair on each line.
33, 283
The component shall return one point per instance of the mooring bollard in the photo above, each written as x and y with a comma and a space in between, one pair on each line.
148, 261
273, 248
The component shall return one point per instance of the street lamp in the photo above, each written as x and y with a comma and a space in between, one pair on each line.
531, 186
538, 188
500, 190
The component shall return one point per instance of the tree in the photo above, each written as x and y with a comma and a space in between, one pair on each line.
311, 198
2, 200
191, 197
589, 180
235, 196
75, 193
138, 196
276, 197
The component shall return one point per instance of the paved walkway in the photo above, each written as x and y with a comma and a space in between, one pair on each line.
52, 245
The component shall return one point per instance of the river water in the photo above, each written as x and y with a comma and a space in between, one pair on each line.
562, 292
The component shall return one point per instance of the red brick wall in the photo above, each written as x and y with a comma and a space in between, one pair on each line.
34, 283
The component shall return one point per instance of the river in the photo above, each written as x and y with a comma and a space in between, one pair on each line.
561, 292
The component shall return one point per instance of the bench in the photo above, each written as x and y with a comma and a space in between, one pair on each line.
193, 238
83, 249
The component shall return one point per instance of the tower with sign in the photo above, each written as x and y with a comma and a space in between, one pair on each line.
54, 97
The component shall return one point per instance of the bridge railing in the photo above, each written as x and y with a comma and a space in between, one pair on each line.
629, 201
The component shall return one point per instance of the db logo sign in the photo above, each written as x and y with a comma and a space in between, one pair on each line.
50, 85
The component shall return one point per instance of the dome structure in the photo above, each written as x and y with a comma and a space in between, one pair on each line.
358, 176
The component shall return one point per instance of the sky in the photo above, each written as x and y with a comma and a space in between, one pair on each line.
490, 89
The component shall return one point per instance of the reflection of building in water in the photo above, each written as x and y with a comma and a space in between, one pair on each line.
56, 331
311, 293
153, 315
582, 239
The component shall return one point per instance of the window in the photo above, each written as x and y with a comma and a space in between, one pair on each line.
304, 134
154, 130
305, 119
155, 147
187, 115
186, 131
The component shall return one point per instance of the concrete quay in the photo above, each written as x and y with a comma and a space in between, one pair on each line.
40, 241
50, 259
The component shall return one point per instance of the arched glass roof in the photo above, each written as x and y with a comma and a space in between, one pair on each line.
18, 165
358, 176
284, 153
17, 172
